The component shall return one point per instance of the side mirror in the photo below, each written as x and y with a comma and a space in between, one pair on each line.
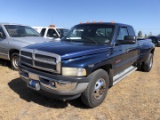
127, 40
130, 38
1, 35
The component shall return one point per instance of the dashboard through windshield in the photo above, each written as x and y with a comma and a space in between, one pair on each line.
92, 33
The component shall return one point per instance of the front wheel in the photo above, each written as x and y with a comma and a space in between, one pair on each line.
147, 65
14, 61
97, 89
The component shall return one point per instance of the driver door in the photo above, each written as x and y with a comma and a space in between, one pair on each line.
3, 44
126, 53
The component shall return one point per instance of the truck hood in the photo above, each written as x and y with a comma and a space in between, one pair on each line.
30, 40
69, 49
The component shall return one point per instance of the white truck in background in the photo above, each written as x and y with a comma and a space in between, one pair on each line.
51, 32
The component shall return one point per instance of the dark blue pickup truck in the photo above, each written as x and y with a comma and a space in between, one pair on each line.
86, 62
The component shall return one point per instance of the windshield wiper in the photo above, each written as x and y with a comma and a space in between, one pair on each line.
90, 39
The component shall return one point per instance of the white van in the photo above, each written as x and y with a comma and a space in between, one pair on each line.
52, 32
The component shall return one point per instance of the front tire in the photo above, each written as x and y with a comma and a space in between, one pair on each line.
97, 89
14, 61
147, 65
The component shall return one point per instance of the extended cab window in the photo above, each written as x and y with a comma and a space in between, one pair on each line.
52, 33
122, 33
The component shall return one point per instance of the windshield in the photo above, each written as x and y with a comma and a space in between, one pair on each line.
62, 32
20, 31
92, 33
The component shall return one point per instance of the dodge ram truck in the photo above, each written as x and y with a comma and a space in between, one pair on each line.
89, 60
13, 37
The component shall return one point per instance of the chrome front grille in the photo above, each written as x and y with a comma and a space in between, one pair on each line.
45, 58
45, 65
27, 54
40, 60
26, 60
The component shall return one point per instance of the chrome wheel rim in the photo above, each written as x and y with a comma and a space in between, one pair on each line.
151, 62
15, 61
99, 88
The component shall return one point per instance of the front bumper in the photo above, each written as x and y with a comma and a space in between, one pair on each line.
56, 84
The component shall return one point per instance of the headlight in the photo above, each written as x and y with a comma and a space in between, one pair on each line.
66, 71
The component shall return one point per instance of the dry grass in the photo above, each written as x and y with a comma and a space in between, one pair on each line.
137, 97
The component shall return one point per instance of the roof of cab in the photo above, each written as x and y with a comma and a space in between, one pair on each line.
5, 23
109, 23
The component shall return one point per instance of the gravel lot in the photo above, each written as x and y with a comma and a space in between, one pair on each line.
137, 97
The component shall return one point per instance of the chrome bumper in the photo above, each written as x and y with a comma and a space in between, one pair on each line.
59, 87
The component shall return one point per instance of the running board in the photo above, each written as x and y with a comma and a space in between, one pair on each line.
123, 74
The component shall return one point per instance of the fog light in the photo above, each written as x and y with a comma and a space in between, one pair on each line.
52, 83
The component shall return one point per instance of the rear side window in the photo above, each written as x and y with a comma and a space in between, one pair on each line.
1, 30
122, 33
43, 32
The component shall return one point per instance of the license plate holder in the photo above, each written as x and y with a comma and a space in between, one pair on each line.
34, 84
33, 76
33, 81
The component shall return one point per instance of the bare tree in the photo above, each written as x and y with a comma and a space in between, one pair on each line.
150, 34
145, 36
140, 34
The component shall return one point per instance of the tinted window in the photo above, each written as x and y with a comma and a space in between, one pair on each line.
91, 33
52, 33
43, 31
131, 31
122, 33
62, 32
104, 32
20, 31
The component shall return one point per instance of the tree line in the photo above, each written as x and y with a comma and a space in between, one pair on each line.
140, 35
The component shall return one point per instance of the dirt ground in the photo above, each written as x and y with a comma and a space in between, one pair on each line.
137, 97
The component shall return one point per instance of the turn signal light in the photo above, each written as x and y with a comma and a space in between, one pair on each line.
51, 25
112, 22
